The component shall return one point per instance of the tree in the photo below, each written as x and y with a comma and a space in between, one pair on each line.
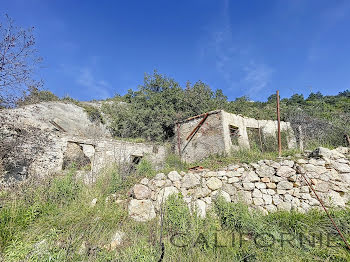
18, 61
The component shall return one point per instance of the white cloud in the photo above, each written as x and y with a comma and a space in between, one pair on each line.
257, 76
233, 57
97, 88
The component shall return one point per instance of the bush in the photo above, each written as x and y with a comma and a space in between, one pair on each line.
35, 96
93, 113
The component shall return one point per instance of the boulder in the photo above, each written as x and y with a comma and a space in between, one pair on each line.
214, 183
248, 186
284, 185
190, 181
200, 206
144, 181
141, 191
160, 176
285, 171
141, 210
265, 171
174, 176
341, 167
250, 177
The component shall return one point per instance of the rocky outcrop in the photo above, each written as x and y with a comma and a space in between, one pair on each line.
267, 185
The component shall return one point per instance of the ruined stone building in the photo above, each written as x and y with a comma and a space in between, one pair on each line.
47, 138
219, 132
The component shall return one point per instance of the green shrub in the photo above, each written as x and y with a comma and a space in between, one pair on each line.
93, 113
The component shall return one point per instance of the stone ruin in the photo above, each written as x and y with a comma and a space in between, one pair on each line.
220, 132
266, 185
46, 138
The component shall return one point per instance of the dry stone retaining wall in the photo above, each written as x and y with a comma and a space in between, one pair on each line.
267, 185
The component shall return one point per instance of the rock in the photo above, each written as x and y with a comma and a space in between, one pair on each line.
214, 183
265, 179
276, 179
144, 181
200, 206
141, 210
177, 184
267, 199
342, 150
160, 176
164, 194
288, 163
284, 185
285, 171
334, 199
304, 189
260, 185
271, 185
288, 198
174, 176
141, 192
322, 187
207, 200
74, 156
230, 189
276, 200
314, 169
190, 181
326, 153
248, 186
271, 192
233, 180
159, 183
223, 194
271, 208
116, 240
221, 173
317, 162
258, 201
93, 202
201, 192
295, 202
256, 193
284, 206
265, 171
245, 197
250, 177
341, 167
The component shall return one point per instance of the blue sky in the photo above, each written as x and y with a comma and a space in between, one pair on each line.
94, 49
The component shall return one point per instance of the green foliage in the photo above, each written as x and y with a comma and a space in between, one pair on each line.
36, 227
93, 113
34, 95
152, 111
238, 217
145, 168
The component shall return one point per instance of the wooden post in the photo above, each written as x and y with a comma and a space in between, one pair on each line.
279, 124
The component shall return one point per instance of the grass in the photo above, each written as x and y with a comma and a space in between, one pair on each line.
54, 221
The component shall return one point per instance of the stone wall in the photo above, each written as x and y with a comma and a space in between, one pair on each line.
267, 185
41, 139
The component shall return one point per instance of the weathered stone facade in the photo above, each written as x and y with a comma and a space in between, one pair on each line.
267, 185
222, 132
45, 138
